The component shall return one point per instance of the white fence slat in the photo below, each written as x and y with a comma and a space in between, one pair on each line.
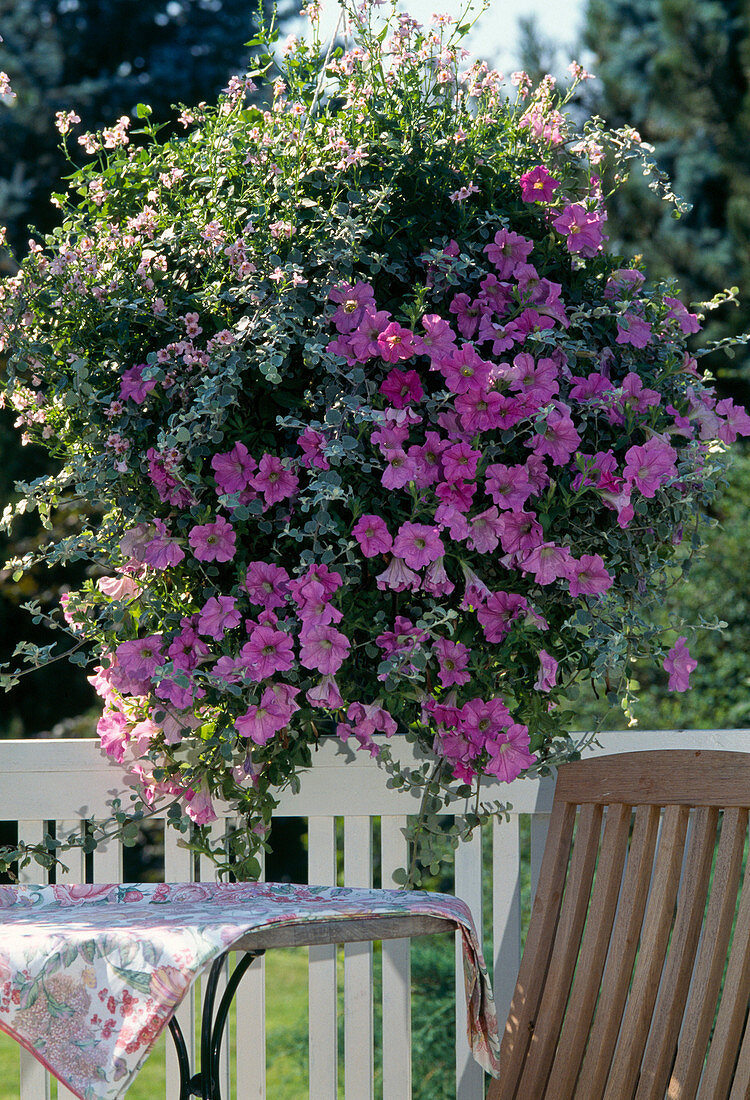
469, 1075
34, 1079
208, 872
506, 912
539, 829
250, 1001
75, 873
108, 862
396, 974
178, 867
358, 991
322, 983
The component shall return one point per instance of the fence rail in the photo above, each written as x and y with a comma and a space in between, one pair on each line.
67, 782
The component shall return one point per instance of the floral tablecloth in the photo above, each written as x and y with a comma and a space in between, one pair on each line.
90, 975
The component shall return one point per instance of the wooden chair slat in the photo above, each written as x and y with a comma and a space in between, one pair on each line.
564, 953
670, 1006
730, 1019
654, 940
533, 969
593, 954
623, 947
741, 1083
712, 953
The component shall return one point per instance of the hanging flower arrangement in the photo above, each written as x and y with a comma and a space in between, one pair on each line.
379, 437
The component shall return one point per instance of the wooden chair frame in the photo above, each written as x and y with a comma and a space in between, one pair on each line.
635, 978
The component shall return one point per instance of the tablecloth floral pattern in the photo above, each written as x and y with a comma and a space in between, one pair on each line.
90, 975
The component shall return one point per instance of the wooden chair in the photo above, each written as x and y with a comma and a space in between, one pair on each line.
635, 978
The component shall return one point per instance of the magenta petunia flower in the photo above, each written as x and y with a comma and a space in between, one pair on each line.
509, 754
547, 677
509, 486
483, 719
436, 581
679, 664
588, 576
460, 461
363, 340
274, 480
453, 657
371, 532
324, 648
262, 721
581, 228
559, 440
418, 544
465, 369
313, 444
546, 561
397, 577
485, 531
134, 386
520, 531
439, 340
399, 471
649, 466
402, 388
632, 329
396, 343
268, 651
325, 694
233, 469
162, 551
498, 613
688, 323
213, 541
218, 614
508, 251
538, 185
266, 584
352, 303
198, 805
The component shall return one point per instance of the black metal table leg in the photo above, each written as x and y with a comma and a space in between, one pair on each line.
206, 1084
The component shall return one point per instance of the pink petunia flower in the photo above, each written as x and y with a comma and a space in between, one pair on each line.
134, 386
396, 343
588, 576
498, 613
266, 584
559, 440
508, 251
213, 541
460, 461
546, 561
313, 444
162, 551
649, 466
199, 807
262, 721
485, 531
418, 544
538, 185
453, 657
509, 486
274, 480
371, 532
353, 302
632, 329
679, 664
509, 754
402, 388
399, 471
233, 469
218, 614
397, 577
436, 581
581, 228
324, 648
325, 694
547, 677
483, 719
268, 651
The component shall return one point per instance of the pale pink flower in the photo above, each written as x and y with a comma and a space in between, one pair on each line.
268, 651
649, 466
120, 587
262, 721
200, 808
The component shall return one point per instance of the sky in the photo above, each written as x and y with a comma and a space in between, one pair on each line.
495, 37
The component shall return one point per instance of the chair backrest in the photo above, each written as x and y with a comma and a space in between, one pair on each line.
635, 977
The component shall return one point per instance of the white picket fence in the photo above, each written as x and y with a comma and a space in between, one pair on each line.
68, 782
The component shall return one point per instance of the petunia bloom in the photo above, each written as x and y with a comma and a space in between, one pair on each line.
418, 544
679, 664
371, 532
213, 541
